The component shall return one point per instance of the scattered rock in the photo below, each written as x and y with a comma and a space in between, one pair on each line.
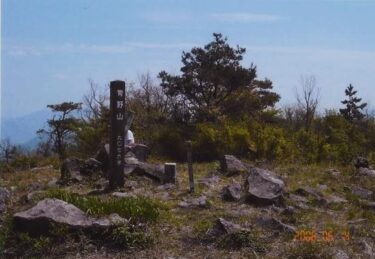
224, 227
166, 187
42, 168
367, 250
69, 166
140, 151
340, 254
37, 219
153, 171
91, 166
366, 172
333, 199
230, 166
232, 192
263, 187
312, 193
4, 198
123, 194
200, 202
275, 224
361, 192
361, 162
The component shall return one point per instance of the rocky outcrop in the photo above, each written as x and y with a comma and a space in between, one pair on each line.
366, 172
4, 198
192, 203
263, 187
224, 227
232, 192
38, 219
230, 165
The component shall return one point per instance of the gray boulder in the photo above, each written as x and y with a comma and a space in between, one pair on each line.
366, 172
38, 218
224, 227
275, 224
230, 166
263, 187
361, 162
232, 192
200, 202
4, 198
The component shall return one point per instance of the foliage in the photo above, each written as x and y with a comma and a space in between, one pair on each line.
353, 104
61, 126
211, 75
140, 209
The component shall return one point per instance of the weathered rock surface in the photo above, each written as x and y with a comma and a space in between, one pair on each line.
4, 198
38, 218
340, 254
275, 224
223, 227
366, 172
70, 167
139, 151
230, 166
200, 202
153, 171
232, 192
263, 187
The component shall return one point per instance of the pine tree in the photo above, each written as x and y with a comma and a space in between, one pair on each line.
353, 108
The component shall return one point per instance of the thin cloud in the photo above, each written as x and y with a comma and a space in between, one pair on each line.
25, 50
245, 17
320, 53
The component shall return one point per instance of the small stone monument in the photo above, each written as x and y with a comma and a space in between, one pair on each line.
117, 134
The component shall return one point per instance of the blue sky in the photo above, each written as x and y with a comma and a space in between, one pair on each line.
50, 48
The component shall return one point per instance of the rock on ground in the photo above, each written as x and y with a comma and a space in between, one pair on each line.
230, 166
38, 218
223, 227
361, 162
263, 187
366, 172
200, 202
275, 224
232, 192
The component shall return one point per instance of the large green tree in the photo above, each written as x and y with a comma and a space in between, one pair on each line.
213, 74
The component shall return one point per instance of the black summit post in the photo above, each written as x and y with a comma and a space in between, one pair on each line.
117, 134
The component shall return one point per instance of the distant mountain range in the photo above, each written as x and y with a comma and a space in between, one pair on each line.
22, 130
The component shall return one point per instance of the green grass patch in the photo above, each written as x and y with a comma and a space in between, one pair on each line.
140, 209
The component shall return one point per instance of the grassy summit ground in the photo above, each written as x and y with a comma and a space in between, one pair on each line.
325, 226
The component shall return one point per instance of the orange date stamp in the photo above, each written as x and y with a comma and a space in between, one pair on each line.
329, 236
